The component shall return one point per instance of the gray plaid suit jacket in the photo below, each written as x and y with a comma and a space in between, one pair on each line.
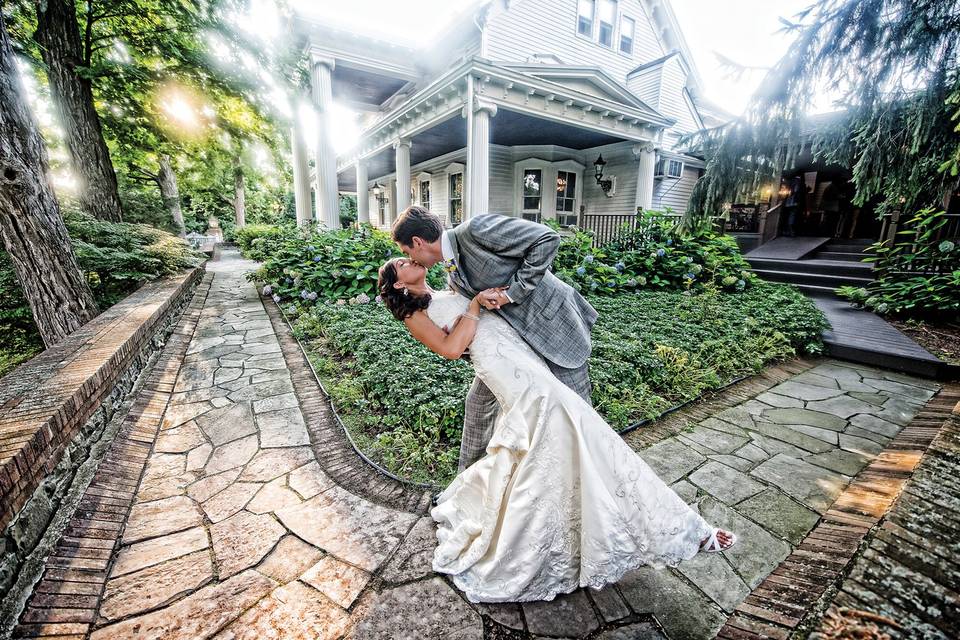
492, 250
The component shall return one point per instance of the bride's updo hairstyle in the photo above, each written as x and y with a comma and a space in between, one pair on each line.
400, 305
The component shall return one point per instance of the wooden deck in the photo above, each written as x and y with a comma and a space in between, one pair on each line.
862, 336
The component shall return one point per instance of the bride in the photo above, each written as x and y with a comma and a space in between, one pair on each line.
560, 501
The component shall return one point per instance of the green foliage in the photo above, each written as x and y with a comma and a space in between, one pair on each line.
311, 264
19, 340
348, 209
651, 350
116, 257
900, 139
257, 240
403, 404
119, 256
918, 275
658, 255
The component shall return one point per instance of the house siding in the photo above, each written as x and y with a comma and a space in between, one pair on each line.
501, 180
550, 27
623, 165
673, 193
646, 85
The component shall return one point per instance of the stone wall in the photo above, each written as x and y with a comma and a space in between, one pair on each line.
55, 408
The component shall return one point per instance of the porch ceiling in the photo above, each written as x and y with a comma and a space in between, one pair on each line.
511, 128
362, 88
508, 128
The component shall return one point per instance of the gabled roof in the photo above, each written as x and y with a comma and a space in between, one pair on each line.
605, 85
646, 66
663, 16
653, 63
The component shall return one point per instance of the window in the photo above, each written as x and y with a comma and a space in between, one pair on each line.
585, 9
566, 198
669, 168
627, 28
607, 18
425, 194
532, 179
456, 198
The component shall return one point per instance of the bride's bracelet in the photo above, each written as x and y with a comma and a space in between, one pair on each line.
471, 316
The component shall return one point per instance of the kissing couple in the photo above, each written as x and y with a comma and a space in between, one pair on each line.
548, 497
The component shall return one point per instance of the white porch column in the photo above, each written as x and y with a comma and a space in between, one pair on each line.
301, 177
647, 156
363, 196
478, 158
402, 149
328, 203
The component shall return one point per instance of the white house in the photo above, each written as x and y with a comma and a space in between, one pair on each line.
508, 112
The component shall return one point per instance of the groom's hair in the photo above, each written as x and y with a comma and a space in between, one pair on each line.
417, 222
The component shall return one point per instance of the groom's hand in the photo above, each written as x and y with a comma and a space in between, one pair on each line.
494, 298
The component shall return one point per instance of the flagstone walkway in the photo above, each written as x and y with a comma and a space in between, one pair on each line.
236, 531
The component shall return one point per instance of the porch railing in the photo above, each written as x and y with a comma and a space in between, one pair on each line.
607, 227
896, 223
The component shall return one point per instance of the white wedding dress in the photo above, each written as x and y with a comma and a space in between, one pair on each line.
559, 501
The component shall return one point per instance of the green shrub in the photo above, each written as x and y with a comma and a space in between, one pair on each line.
19, 340
312, 264
917, 276
658, 255
651, 350
256, 241
116, 258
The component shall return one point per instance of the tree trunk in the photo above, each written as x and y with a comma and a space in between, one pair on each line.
239, 197
32, 230
59, 38
167, 180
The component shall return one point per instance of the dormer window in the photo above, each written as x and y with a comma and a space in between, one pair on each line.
585, 10
607, 20
627, 29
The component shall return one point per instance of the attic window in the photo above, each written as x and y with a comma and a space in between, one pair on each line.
608, 14
627, 27
585, 9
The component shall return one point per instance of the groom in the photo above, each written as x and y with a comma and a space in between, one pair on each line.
489, 251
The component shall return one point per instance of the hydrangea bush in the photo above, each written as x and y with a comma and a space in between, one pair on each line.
917, 276
309, 264
680, 328
657, 255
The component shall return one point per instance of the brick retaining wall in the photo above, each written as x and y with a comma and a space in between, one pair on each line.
46, 402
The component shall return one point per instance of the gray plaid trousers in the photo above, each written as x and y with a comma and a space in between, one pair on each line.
481, 409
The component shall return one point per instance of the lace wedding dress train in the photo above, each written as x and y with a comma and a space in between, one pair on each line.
559, 501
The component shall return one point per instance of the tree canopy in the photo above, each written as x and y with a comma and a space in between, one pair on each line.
165, 94
894, 66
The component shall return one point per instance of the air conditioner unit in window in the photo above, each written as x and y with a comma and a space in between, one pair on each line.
667, 168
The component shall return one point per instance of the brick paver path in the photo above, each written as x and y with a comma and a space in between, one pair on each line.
237, 532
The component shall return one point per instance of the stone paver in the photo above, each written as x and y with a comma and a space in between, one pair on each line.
238, 531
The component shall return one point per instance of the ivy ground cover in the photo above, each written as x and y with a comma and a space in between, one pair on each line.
651, 350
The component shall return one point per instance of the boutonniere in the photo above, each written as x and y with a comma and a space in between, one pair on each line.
450, 266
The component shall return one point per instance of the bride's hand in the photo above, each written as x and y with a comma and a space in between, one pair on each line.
492, 298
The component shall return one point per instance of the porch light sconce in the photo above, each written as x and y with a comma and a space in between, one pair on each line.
598, 166
377, 191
